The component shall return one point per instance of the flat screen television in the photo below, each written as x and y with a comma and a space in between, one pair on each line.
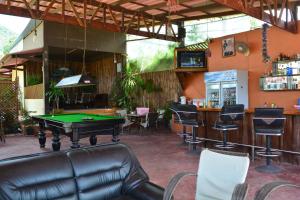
193, 59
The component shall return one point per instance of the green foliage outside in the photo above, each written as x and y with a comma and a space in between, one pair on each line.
34, 80
54, 94
7, 39
162, 60
129, 86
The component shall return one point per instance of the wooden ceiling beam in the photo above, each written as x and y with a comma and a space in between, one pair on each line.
118, 8
223, 14
77, 21
29, 9
204, 9
259, 12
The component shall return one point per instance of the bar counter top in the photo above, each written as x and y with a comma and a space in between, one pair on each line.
292, 111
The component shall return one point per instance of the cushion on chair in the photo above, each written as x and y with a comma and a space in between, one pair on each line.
218, 174
190, 122
268, 130
226, 126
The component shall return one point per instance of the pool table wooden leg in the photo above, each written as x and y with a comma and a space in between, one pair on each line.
116, 134
55, 139
75, 139
93, 140
42, 136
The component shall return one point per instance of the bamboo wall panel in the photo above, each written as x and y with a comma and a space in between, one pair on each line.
105, 72
170, 85
34, 92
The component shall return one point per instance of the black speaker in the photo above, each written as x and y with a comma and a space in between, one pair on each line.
181, 32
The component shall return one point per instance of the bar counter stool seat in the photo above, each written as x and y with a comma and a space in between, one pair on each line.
268, 122
229, 115
187, 115
183, 134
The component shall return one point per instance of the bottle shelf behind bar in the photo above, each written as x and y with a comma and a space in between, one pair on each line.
285, 77
280, 83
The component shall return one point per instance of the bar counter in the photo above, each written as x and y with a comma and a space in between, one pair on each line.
289, 143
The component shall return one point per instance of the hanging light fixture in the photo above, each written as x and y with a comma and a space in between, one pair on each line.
82, 79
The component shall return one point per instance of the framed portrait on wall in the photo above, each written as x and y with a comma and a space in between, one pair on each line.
228, 47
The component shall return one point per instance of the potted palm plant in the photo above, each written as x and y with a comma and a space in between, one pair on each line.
54, 94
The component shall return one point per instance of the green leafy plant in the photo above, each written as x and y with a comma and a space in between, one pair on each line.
126, 86
54, 94
33, 80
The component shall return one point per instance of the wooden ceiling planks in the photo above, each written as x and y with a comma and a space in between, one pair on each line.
130, 16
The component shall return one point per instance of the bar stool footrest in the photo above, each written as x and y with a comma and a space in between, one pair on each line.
184, 134
222, 146
272, 154
191, 141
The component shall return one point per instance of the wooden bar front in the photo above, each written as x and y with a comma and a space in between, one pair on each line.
289, 142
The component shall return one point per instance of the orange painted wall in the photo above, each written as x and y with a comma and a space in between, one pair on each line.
279, 41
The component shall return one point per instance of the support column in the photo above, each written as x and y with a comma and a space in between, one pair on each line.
46, 77
181, 34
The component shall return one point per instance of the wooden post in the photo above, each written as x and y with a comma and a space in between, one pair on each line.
46, 77
181, 39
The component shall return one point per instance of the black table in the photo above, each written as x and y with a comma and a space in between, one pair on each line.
77, 126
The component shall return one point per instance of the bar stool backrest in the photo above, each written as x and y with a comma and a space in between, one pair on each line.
184, 112
269, 118
230, 113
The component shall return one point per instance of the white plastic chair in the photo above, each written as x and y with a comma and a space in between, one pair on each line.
128, 123
221, 176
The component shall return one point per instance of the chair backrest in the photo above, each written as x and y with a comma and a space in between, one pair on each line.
184, 112
161, 113
122, 113
142, 111
231, 113
152, 118
219, 173
269, 118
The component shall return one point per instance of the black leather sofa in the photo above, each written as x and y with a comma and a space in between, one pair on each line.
106, 172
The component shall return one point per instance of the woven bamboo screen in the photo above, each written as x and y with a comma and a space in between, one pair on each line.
9, 104
169, 84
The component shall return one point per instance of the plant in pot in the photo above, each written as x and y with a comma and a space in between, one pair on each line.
126, 86
167, 115
27, 124
54, 94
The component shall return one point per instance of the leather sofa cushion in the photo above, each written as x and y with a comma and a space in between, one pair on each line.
107, 172
44, 176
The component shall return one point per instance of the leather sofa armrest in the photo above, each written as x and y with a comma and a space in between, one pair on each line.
147, 191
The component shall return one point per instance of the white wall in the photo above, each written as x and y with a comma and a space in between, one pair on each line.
35, 106
34, 41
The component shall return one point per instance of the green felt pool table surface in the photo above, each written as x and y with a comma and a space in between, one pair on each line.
77, 117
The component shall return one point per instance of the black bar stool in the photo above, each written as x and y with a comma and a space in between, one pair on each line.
187, 115
268, 122
228, 117
184, 134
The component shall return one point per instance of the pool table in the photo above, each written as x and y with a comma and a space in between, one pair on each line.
77, 126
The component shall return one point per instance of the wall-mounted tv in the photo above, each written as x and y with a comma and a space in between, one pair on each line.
191, 59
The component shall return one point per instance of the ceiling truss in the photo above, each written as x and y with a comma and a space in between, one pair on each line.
149, 18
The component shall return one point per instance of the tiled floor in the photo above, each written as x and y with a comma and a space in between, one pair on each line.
162, 157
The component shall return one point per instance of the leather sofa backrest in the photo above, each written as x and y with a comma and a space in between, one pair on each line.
106, 172
102, 172
44, 176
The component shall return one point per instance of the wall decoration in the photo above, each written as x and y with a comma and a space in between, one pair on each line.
265, 55
228, 47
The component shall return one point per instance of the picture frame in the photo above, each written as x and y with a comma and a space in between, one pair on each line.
228, 47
